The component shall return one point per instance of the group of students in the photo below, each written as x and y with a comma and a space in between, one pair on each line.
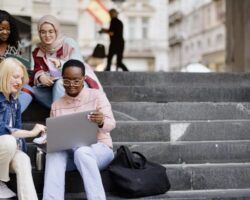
60, 81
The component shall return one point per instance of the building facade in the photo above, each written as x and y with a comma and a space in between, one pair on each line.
145, 32
197, 34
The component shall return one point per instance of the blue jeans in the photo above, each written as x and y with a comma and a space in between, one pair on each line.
25, 98
88, 160
47, 95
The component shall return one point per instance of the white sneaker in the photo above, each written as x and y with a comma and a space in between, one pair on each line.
41, 140
5, 192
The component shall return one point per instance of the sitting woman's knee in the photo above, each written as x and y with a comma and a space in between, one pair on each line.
21, 161
83, 153
8, 144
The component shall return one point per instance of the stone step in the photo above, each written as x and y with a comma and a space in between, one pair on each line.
150, 111
222, 194
209, 176
146, 131
141, 131
183, 93
219, 194
192, 152
172, 79
189, 152
188, 177
182, 178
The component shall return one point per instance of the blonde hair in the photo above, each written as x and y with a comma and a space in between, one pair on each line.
7, 68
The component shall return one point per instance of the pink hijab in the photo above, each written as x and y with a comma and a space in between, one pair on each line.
57, 44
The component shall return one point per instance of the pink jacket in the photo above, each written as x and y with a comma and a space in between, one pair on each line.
88, 99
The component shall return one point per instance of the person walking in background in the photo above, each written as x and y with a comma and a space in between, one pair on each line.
116, 46
13, 76
9, 47
48, 58
88, 160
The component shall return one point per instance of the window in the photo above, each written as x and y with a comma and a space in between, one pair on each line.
145, 25
219, 38
208, 42
220, 10
132, 27
199, 45
191, 47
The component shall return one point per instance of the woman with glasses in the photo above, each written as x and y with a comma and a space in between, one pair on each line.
88, 160
9, 47
13, 76
49, 56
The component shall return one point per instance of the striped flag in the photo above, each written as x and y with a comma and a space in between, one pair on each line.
98, 10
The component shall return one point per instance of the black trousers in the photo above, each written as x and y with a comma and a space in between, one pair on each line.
117, 50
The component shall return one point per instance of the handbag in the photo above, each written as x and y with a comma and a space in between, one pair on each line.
99, 51
134, 176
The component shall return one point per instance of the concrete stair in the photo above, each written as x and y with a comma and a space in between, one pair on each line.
156, 79
196, 125
151, 111
176, 87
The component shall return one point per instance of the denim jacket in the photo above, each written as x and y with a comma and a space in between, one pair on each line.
10, 109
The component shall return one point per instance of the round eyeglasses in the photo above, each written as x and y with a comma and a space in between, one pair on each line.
75, 83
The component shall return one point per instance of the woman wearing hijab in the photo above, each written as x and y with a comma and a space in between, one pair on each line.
49, 56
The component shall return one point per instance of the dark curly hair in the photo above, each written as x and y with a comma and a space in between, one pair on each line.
14, 35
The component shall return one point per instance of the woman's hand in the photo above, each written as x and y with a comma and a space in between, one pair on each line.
38, 128
46, 80
97, 117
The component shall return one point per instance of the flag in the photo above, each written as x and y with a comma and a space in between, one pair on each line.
98, 10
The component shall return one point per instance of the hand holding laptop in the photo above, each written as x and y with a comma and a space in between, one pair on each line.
96, 117
38, 128
42, 139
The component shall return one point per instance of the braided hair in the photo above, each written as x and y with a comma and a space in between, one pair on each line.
14, 35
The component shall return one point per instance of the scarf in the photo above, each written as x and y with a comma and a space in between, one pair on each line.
57, 44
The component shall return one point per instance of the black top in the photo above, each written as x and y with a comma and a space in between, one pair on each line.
116, 27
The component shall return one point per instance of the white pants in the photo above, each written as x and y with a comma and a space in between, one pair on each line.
88, 160
14, 160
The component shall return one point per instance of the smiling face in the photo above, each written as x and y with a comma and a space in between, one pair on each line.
4, 31
47, 33
73, 80
16, 80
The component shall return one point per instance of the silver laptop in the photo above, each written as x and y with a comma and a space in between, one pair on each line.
70, 131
